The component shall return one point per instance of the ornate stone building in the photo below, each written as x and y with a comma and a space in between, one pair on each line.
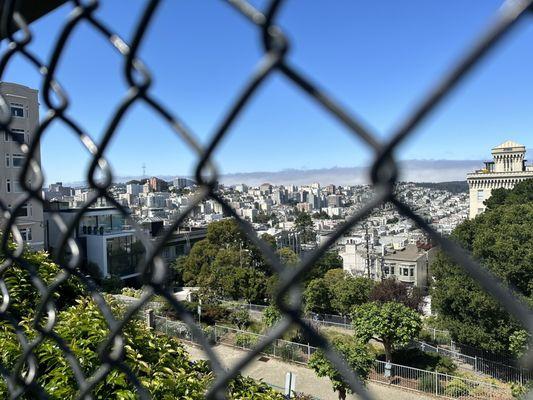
505, 171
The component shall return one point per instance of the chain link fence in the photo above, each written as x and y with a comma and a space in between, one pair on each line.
275, 60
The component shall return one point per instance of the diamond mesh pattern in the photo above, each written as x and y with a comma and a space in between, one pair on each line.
275, 59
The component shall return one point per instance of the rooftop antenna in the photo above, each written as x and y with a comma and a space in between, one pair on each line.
144, 170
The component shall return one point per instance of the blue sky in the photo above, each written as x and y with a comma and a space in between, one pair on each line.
377, 58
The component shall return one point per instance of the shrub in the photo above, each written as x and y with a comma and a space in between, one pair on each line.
445, 365
457, 388
427, 384
131, 292
245, 340
240, 318
285, 351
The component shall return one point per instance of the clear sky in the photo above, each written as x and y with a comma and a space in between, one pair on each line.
377, 57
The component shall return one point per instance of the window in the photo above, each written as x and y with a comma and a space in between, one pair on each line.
412, 272
480, 195
406, 272
17, 110
19, 134
392, 270
386, 270
8, 163
26, 234
18, 160
16, 187
8, 185
24, 210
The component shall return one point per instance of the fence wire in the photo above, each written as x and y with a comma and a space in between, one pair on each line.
275, 60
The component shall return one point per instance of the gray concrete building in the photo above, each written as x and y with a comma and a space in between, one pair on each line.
24, 105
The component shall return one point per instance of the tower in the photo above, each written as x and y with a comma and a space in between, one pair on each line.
507, 168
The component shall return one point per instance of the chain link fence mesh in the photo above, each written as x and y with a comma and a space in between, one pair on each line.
153, 270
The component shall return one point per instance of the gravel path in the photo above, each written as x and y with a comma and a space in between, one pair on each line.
273, 371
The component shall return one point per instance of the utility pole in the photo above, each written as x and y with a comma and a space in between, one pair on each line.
367, 240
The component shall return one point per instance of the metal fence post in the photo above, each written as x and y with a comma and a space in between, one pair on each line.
475, 364
434, 334
308, 352
436, 383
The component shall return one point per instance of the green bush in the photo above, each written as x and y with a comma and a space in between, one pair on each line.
457, 388
427, 384
445, 365
285, 351
245, 340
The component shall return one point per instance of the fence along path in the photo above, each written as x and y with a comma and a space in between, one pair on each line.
482, 365
442, 385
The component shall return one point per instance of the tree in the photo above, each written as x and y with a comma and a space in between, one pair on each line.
330, 260
271, 315
160, 363
228, 263
346, 291
317, 297
393, 290
288, 257
357, 357
502, 239
392, 324
519, 343
304, 226
350, 291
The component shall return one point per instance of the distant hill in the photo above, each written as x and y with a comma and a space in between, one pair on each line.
453, 186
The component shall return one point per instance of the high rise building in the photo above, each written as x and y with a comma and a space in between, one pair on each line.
24, 105
505, 171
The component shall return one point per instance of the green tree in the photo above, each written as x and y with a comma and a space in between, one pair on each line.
357, 357
288, 257
160, 362
330, 260
271, 315
502, 239
317, 297
304, 226
392, 324
346, 291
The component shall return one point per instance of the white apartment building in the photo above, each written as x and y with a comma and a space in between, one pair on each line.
25, 118
505, 171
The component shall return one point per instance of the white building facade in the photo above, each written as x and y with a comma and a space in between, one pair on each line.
506, 170
24, 106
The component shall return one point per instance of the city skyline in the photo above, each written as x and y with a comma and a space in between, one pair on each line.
291, 134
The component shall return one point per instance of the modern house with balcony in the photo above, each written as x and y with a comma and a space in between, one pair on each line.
109, 243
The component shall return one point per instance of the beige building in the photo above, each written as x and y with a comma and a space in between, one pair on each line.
505, 171
25, 118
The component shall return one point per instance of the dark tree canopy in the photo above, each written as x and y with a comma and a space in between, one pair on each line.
502, 239
394, 290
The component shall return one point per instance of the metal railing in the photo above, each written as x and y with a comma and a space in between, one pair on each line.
435, 383
275, 60
402, 376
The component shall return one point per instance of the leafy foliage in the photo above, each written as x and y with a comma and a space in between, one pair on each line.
304, 226
160, 362
392, 324
502, 239
336, 292
394, 290
357, 357
226, 262
271, 315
